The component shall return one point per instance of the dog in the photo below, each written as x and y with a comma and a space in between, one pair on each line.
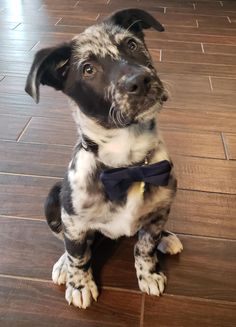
120, 180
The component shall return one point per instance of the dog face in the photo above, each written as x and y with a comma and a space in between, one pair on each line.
106, 70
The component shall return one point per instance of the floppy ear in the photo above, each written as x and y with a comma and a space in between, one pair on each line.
135, 20
50, 67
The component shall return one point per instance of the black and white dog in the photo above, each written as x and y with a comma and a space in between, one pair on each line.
120, 180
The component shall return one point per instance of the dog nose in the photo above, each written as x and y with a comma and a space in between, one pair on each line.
137, 84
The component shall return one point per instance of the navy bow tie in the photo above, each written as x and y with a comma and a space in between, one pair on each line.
117, 181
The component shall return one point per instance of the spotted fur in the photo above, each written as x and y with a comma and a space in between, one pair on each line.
115, 110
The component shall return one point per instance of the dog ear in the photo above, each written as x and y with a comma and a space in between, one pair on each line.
135, 20
50, 67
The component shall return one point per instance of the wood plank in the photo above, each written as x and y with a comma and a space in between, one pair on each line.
181, 311
23, 196
24, 45
12, 126
8, 25
16, 85
52, 104
217, 48
190, 30
74, 12
50, 131
194, 119
230, 140
14, 68
196, 68
193, 57
202, 213
179, 84
209, 5
24, 27
206, 269
24, 238
223, 85
197, 272
39, 303
189, 99
168, 19
228, 5
210, 175
216, 38
161, 3
34, 159
195, 10
16, 56
35, 18
194, 143
172, 45
212, 21
75, 21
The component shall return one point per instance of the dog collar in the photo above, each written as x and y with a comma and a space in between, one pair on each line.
88, 145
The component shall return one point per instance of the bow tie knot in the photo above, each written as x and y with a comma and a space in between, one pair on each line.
117, 181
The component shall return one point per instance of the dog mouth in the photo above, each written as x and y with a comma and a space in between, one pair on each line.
137, 109
134, 98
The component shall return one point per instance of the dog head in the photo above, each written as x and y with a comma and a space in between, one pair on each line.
106, 70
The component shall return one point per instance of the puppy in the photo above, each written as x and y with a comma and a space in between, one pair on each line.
120, 180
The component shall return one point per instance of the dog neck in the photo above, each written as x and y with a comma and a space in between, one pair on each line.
119, 147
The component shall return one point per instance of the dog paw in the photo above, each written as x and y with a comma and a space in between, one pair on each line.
152, 283
59, 271
170, 244
81, 294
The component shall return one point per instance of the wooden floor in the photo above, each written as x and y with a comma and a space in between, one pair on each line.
196, 57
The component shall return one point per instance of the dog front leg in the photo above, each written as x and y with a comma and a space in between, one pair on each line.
80, 286
151, 280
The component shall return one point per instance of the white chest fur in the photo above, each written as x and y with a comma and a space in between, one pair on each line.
117, 148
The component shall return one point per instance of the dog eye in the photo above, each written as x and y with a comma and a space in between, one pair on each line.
89, 70
132, 45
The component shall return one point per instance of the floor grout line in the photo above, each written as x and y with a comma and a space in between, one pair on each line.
209, 192
42, 220
34, 279
2, 78
210, 82
117, 289
30, 175
34, 46
226, 150
75, 5
142, 310
206, 237
202, 47
58, 21
24, 129
13, 29
21, 218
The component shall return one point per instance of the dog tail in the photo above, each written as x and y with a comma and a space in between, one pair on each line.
52, 209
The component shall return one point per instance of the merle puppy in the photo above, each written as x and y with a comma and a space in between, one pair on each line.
120, 180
